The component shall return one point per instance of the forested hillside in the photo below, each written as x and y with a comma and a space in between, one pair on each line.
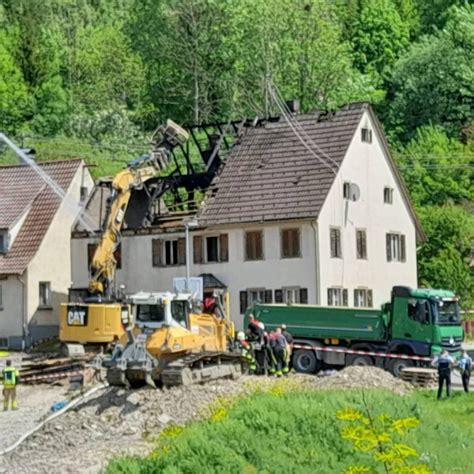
92, 78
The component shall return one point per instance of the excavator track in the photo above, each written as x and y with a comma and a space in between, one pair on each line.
201, 368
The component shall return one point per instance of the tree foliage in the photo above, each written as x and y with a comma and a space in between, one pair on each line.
94, 77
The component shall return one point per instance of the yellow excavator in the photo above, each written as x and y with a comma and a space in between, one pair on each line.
99, 319
172, 341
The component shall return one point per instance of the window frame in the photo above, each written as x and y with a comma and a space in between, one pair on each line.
367, 299
296, 290
387, 195
48, 303
4, 239
336, 248
343, 296
218, 248
250, 300
262, 245
298, 253
346, 190
396, 247
359, 254
366, 134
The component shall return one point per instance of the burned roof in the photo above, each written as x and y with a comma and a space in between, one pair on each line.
271, 175
23, 194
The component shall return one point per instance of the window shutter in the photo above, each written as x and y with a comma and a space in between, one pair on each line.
303, 295
259, 246
197, 248
345, 297
278, 296
248, 246
118, 256
364, 244
224, 248
156, 245
356, 301
369, 299
329, 297
268, 296
332, 239
389, 248
403, 251
91, 248
296, 252
181, 251
243, 302
285, 244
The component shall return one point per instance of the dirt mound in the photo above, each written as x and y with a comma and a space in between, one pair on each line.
363, 377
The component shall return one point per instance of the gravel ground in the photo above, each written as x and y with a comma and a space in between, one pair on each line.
118, 422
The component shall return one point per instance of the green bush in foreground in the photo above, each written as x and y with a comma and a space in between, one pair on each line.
298, 432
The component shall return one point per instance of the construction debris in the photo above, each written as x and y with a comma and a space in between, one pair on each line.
363, 377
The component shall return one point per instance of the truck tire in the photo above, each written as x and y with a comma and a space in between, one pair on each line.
359, 360
306, 362
395, 366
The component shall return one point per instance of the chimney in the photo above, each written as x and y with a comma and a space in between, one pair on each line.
293, 105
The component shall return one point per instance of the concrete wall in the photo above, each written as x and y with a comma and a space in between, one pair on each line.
272, 273
52, 262
366, 165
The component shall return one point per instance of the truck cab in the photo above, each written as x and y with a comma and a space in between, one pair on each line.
424, 321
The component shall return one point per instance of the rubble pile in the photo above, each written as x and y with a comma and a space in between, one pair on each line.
363, 377
117, 422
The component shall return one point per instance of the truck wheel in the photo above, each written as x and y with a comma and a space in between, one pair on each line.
359, 360
306, 362
397, 365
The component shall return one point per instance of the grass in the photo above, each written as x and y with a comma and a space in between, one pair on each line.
287, 430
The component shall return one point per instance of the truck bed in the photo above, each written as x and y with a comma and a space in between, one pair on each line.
308, 321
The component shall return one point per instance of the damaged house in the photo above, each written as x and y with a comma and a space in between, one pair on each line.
307, 210
35, 256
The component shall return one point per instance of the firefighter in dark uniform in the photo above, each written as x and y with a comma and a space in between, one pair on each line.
444, 364
256, 337
289, 348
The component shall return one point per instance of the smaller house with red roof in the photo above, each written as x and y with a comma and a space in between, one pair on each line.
35, 252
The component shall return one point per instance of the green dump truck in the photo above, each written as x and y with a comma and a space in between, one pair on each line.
416, 323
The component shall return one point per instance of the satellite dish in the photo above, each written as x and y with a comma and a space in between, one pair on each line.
354, 192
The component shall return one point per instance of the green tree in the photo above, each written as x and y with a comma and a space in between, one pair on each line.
443, 261
437, 169
434, 82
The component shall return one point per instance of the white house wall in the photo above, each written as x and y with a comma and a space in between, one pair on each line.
11, 311
367, 166
52, 262
137, 272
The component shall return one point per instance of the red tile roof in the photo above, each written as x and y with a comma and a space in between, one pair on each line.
271, 175
23, 191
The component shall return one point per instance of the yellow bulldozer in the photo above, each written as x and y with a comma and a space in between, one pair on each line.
174, 342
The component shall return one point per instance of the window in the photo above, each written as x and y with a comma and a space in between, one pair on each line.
253, 296
337, 297
290, 243
254, 245
211, 249
418, 310
366, 135
363, 298
1, 297
361, 244
292, 295
45, 294
395, 248
346, 190
387, 195
3, 241
168, 252
83, 193
335, 237
91, 248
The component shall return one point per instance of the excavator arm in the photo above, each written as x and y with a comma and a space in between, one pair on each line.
137, 173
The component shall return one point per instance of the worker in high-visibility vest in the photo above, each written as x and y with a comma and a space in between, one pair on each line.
10, 377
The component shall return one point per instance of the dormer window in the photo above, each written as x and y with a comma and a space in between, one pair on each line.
3, 241
366, 135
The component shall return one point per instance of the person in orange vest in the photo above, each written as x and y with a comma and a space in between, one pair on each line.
10, 377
